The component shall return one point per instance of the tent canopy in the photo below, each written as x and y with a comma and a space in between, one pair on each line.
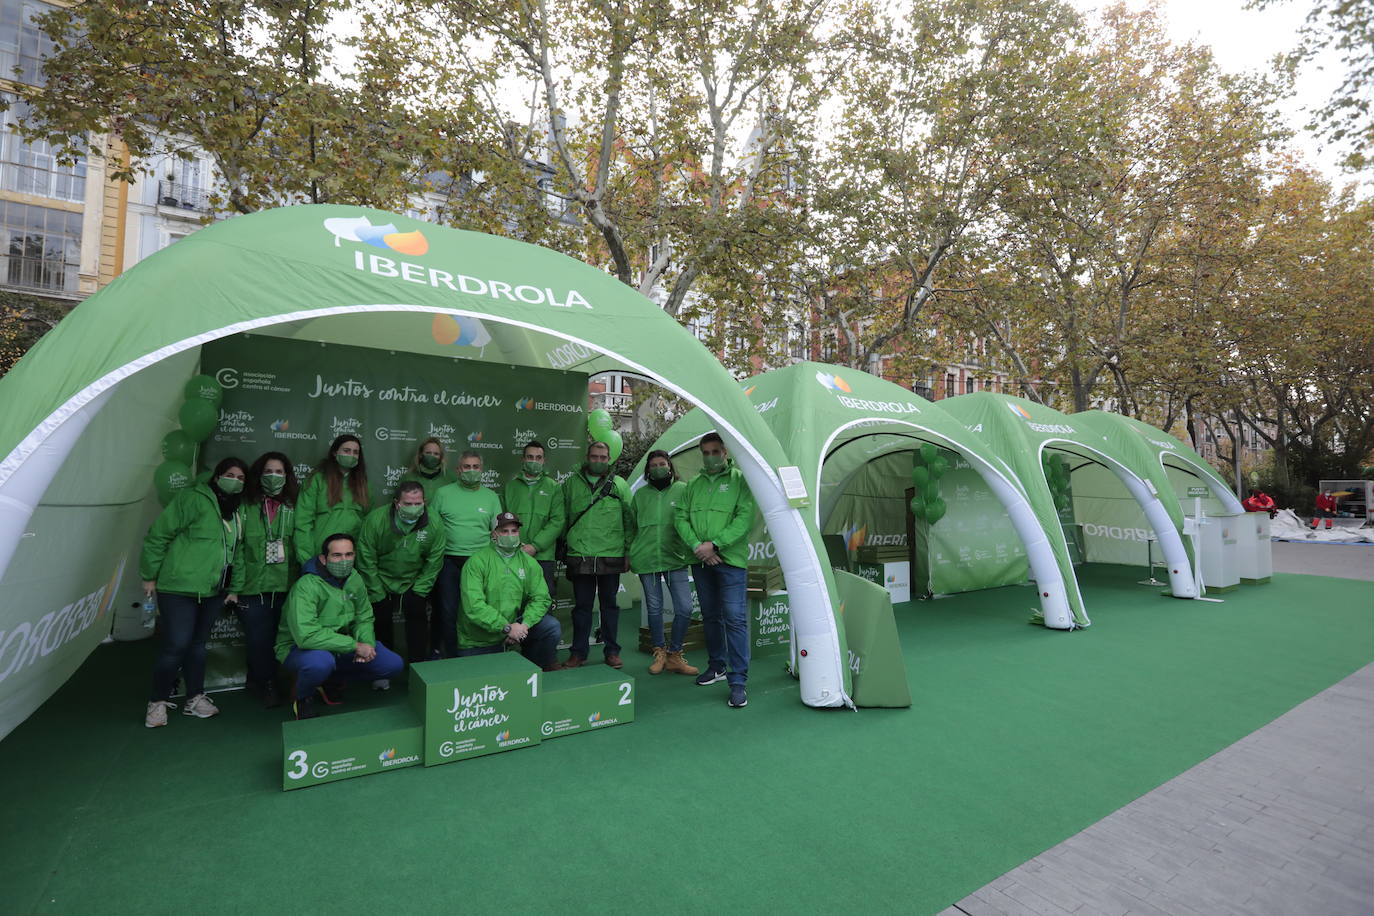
86, 408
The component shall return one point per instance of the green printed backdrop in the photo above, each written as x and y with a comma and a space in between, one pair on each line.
294, 397
975, 545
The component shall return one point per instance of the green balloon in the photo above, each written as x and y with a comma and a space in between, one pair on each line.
198, 419
920, 476
928, 452
918, 508
614, 443
599, 423
204, 388
1061, 500
178, 447
935, 509
938, 467
170, 478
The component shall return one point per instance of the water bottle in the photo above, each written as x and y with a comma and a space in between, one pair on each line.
149, 613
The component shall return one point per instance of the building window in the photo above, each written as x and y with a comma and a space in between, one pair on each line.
41, 248
31, 168
22, 43
969, 386
950, 389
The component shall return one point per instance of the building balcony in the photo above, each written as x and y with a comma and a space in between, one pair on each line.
183, 197
612, 402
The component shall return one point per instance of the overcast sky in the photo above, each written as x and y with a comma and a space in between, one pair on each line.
1244, 39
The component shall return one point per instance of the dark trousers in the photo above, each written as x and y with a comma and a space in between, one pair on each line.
312, 667
449, 597
540, 645
413, 609
185, 624
550, 568
586, 588
260, 616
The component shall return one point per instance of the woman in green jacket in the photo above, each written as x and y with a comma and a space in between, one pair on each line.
429, 468
185, 563
658, 555
265, 566
334, 500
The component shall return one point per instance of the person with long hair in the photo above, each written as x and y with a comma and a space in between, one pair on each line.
335, 499
658, 555
264, 566
185, 563
429, 468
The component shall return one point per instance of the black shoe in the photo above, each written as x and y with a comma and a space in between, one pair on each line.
738, 697
710, 676
271, 699
304, 708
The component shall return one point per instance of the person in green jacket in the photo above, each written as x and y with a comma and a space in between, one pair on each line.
335, 499
400, 553
468, 510
429, 468
264, 566
601, 527
185, 564
326, 629
714, 522
505, 601
658, 555
536, 497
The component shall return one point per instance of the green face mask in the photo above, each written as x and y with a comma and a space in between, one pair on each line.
347, 462
230, 485
470, 478
508, 541
409, 515
713, 463
272, 484
660, 473
598, 467
429, 462
533, 468
339, 569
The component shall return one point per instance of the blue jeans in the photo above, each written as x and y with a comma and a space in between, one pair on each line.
312, 667
540, 645
681, 591
585, 591
448, 596
725, 618
260, 616
185, 624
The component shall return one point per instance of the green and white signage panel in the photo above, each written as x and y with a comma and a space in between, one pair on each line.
586, 699
334, 747
479, 705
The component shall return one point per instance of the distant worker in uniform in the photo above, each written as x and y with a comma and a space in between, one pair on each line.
1260, 501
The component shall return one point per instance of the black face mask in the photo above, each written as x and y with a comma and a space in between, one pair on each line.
663, 484
228, 504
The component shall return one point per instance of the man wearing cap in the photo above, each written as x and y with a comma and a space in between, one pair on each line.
506, 602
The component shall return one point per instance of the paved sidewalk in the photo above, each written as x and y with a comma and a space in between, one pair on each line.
1281, 822
1341, 561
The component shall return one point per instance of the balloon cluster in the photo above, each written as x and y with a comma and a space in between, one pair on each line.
927, 467
198, 417
601, 428
1057, 476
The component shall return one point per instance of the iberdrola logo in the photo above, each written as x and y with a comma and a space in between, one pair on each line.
388, 754
524, 404
459, 331
474, 437
360, 229
855, 536
750, 390
1019, 411
594, 718
503, 736
280, 426
834, 382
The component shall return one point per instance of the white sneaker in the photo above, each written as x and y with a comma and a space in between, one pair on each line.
157, 713
200, 707
381, 684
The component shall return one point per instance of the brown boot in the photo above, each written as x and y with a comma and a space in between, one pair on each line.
574, 662
614, 661
660, 658
678, 665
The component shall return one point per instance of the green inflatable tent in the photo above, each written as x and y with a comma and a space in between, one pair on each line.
86, 409
854, 436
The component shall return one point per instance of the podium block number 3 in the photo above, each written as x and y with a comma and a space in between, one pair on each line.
298, 758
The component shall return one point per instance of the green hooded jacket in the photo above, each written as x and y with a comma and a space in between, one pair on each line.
320, 613
494, 588
253, 575
539, 503
317, 520
189, 545
431, 482
657, 546
719, 508
393, 559
608, 529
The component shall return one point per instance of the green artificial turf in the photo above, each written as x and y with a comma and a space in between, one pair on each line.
1018, 738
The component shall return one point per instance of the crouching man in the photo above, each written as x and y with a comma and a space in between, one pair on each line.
326, 635
506, 600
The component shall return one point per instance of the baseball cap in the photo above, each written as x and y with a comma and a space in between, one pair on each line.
507, 518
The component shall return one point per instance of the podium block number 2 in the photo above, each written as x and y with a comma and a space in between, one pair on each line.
625, 689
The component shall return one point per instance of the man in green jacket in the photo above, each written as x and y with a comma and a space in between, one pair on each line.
536, 498
467, 510
400, 553
326, 628
714, 521
505, 601
601, 527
